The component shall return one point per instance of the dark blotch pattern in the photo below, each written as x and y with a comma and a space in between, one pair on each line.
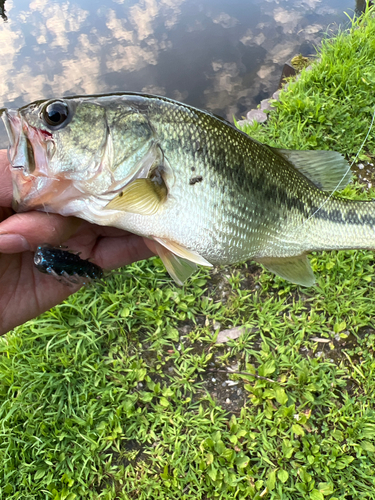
195, 180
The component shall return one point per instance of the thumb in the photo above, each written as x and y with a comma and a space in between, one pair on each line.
6, 180
26, 231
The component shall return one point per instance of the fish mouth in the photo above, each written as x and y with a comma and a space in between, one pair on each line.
28, 157
12, 124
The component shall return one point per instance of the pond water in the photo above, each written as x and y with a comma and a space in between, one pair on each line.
220, 55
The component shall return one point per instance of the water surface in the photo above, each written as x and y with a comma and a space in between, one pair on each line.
220, 55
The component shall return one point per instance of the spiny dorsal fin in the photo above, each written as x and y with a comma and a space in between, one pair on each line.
142, 196
328, 170
295, 269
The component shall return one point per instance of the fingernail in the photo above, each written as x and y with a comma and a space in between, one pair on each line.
13, 243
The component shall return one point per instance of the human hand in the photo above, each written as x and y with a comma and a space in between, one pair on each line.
25, 292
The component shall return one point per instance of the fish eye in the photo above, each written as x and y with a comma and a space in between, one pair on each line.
56, 115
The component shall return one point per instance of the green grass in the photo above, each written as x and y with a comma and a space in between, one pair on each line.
331, 105
110, 394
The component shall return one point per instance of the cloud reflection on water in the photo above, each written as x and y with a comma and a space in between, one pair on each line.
223, 59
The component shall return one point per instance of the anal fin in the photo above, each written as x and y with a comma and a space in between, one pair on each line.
295, 269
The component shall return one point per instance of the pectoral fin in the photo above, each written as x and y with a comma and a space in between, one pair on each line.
178, 268
141, 196
295, 269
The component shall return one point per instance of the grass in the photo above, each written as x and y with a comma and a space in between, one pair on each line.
331, 106
118, 392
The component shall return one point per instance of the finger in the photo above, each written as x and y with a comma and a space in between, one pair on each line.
25, 292
27, 231
152, 245
111, 253
6, 180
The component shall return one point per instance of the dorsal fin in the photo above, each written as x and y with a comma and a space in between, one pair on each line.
328, 170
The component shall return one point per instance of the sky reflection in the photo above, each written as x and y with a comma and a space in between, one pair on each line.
221, 55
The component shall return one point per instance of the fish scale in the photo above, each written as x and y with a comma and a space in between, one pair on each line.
244, 195
205, 192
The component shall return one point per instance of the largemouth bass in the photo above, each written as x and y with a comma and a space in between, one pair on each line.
203, 191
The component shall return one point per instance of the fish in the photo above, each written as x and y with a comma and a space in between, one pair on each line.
203, 191
66, 266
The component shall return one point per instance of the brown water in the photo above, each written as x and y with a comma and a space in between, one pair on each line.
220, 55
